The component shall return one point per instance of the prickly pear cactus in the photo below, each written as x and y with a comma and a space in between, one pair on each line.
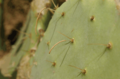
81, 42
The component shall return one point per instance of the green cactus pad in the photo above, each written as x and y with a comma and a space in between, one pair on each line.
94, 25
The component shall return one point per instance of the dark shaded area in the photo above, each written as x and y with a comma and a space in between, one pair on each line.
14, 35
2, 37
14, 75
61, 2
2, 77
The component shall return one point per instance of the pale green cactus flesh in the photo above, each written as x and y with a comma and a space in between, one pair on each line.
94, 25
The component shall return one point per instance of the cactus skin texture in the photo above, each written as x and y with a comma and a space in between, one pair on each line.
27, 40
93, 24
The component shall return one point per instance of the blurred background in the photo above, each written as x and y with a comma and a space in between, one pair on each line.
15, 15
